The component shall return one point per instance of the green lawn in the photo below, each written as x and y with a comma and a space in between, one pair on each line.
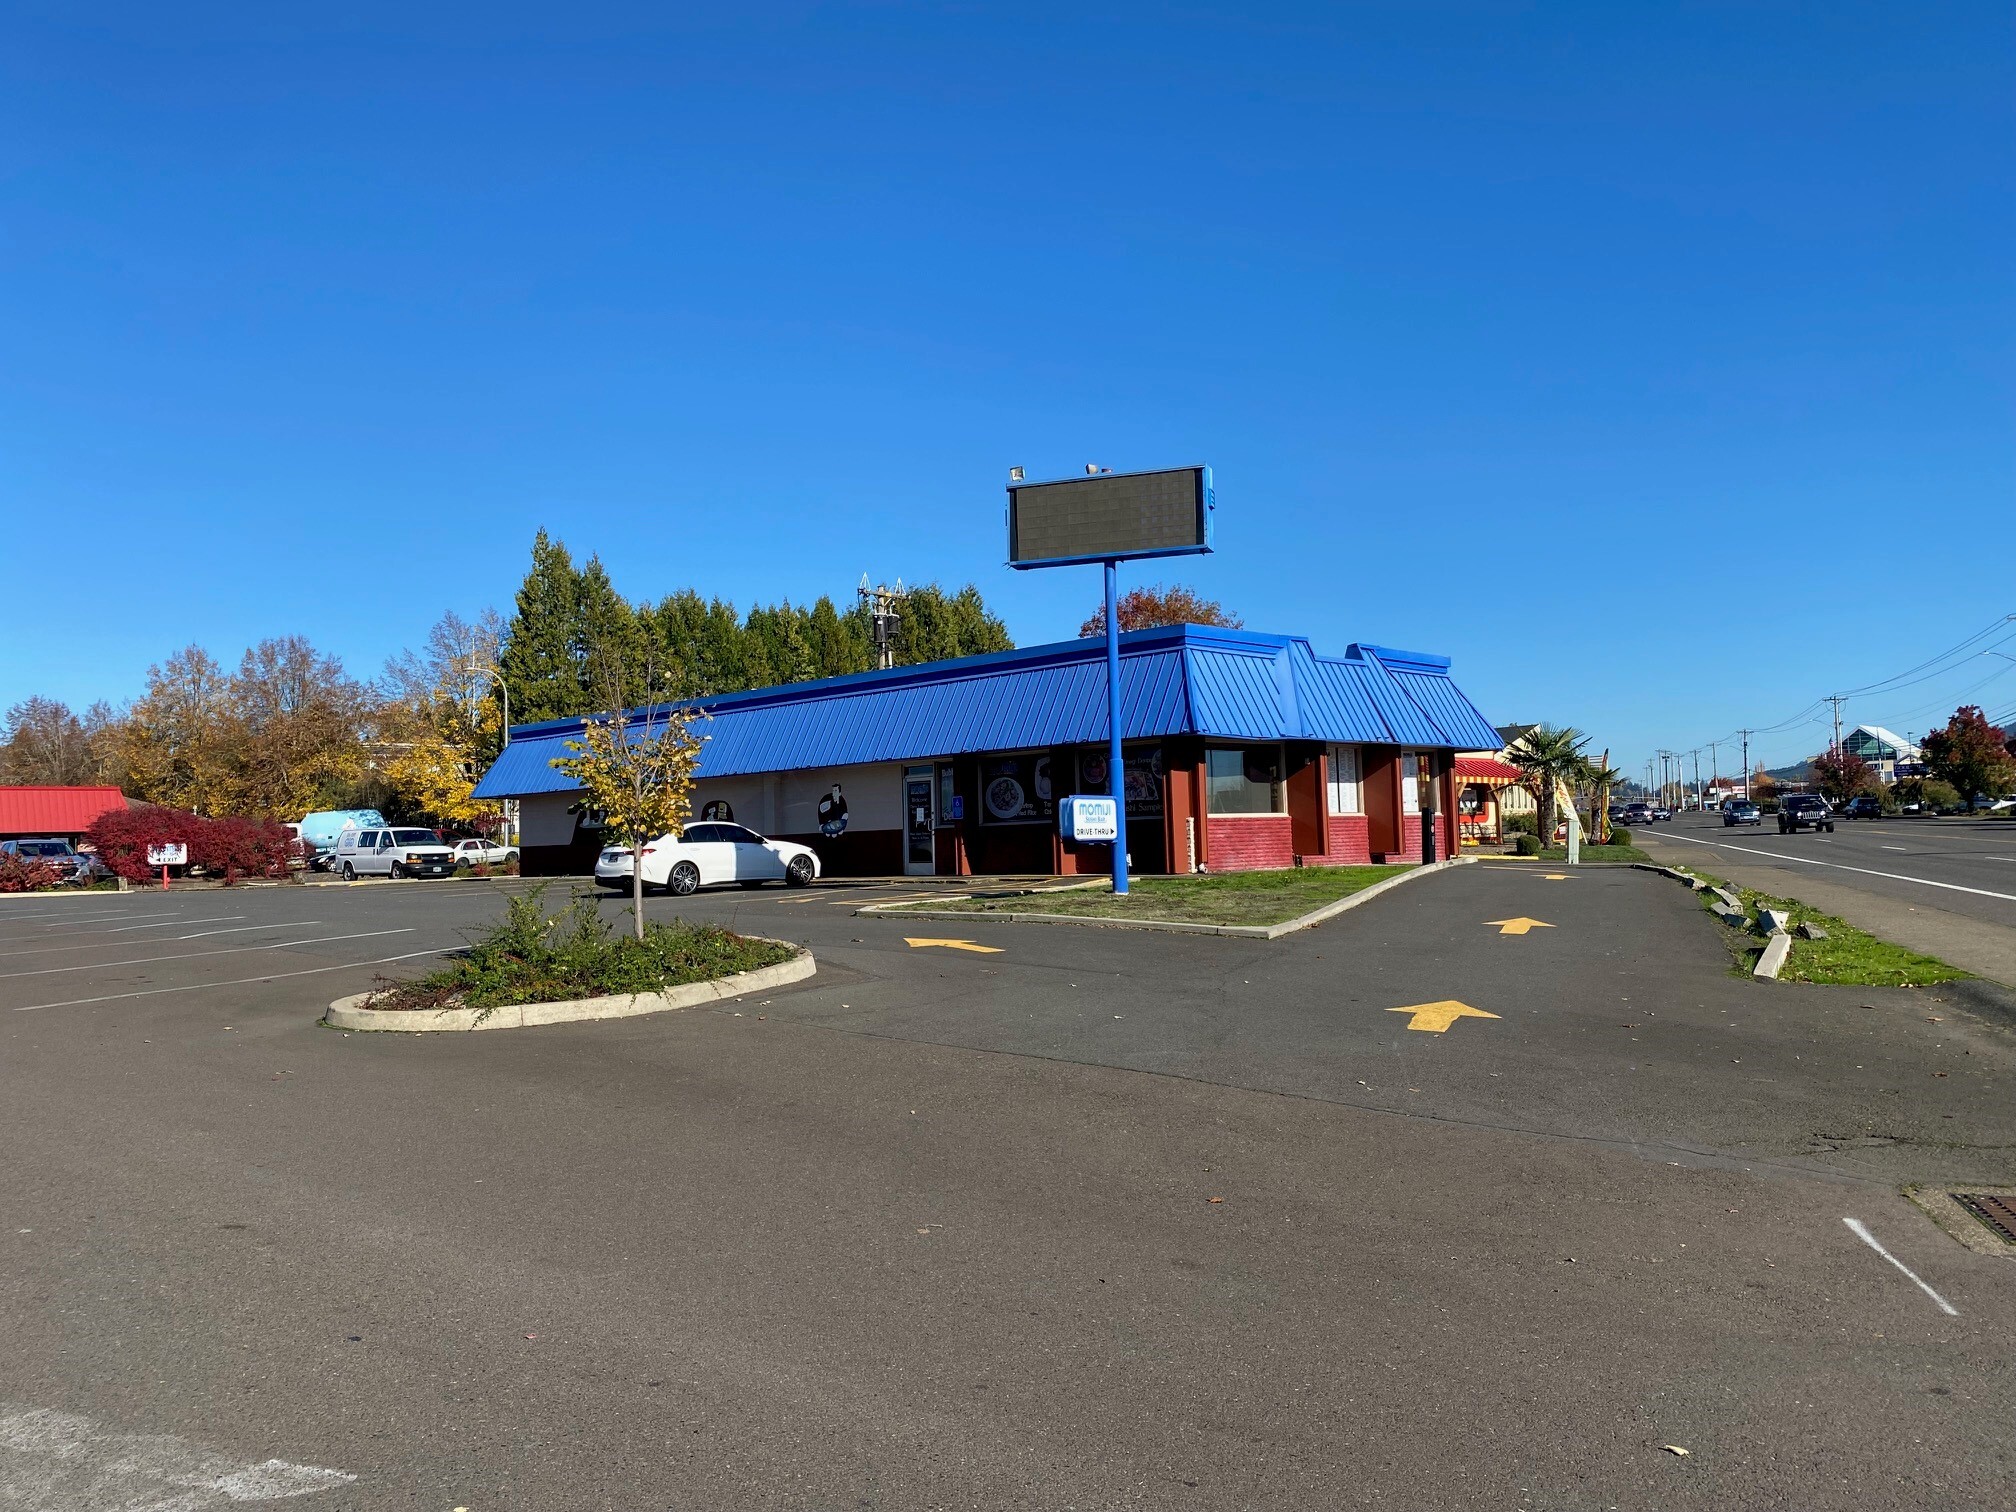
1262, 897
1848, 957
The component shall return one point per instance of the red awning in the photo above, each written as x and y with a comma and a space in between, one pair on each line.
54, 811
1487, 769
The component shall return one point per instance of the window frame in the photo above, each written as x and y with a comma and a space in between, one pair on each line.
1410, 784
1355, 783
1279, 786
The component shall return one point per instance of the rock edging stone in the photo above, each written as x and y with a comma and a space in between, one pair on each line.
349, 1013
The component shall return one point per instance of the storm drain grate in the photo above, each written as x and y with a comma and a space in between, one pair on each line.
1999, 1213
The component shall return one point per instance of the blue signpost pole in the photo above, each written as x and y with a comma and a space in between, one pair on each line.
1116, 774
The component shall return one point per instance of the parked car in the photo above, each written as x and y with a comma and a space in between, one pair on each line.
1864, 807
703, 855
1986, 805
59, 854
484, 852
1804, 811
392, 853
1740, 811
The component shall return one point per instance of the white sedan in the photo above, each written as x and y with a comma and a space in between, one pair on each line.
484, 852
703, 855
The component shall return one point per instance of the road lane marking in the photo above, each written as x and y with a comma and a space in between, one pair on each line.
1435, 1018
1896, 847
1839, 866
953, 945
1861, 1231
271, 976
171, 923
1516, 926
1555, 877
60, 1459
198, 955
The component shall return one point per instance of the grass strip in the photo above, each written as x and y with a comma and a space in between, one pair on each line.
531, 957
1255, 897
1596, 853
1848, 957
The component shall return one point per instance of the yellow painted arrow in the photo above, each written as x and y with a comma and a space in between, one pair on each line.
1555, 877
954, 945
1435, 1018
1518, 926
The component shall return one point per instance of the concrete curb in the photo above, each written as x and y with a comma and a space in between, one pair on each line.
1175, 926
1772, 961
348, 1012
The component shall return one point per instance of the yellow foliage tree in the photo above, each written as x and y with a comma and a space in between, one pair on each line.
637, 769
436, 756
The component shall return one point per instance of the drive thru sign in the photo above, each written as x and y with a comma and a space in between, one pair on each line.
1086, 818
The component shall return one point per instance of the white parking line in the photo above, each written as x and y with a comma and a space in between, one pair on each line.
198, 955
171, 923
1861, 1231
74, 943
61, 923
204, 934
1838, 866
59, 1459
271, 976
1895, 847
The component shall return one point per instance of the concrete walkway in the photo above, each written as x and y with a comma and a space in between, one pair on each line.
1977, 945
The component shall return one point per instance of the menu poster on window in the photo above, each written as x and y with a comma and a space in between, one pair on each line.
1016, 789
1144, 779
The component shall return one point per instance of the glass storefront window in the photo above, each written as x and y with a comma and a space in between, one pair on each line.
1016, 789
1244, 780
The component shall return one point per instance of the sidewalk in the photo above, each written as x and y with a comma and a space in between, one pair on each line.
1986, 949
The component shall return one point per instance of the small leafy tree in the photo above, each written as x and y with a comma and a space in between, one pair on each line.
1841, 774
1971, 754
636, 767
1145, 608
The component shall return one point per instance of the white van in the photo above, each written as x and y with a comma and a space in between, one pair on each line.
391, 853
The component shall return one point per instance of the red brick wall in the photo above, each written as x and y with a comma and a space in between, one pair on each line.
1410, 839
1249, 844
1350, 842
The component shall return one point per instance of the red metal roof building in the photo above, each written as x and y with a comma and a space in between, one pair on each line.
54, 812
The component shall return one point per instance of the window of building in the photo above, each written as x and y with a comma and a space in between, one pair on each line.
1244, 780
1344, 780
1410, 783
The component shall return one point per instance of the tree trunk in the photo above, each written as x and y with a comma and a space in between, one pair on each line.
1545, 802
637, 887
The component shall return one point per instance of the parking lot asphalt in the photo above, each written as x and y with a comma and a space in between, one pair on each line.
937, 1227
1943, 886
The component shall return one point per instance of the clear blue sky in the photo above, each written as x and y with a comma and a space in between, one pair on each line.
1523, 333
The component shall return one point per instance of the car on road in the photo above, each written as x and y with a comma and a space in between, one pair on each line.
1740, 811
1804, 811
1634, 813
1864, 807
1661, 811
706, 855
391, 852
475, 852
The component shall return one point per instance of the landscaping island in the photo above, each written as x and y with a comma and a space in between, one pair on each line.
532, 968
1234, 898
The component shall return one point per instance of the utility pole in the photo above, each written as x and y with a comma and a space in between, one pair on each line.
1746, 761
1837, 700
1697, 773
1714, 765
885, 613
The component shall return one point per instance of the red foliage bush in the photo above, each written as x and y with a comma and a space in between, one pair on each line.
229, 848
123, 835
22, 874
234, 848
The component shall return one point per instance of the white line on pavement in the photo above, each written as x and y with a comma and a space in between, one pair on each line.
171, 923
271, 976
73, 943
60, 923
197, 955
1894, 847
1838, 866
59, 1459
204, 934
1861, 1231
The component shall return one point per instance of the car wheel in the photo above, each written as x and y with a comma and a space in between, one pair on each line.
799, 872
349, 872
684, 881
1830, 829
398, 872
509, 857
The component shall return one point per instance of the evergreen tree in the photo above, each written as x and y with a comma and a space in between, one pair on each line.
937, 626
839, 646
540, 656
611, 647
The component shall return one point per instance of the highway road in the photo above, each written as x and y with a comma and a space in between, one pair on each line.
1481, 1195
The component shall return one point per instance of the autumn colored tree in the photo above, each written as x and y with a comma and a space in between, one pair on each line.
1971, 754
43, 744
1841, 774
442, 722
1145, 608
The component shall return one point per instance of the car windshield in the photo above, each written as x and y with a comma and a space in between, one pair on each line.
45, 848
414, 837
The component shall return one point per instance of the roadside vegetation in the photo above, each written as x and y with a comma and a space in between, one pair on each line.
1259, 897
530, 956
1848, 957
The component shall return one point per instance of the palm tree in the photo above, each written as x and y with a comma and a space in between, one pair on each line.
1550, 757
1602, 777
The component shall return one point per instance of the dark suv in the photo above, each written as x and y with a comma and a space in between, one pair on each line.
1864, 807
1804, 811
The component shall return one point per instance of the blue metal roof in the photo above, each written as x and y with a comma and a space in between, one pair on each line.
1175, 680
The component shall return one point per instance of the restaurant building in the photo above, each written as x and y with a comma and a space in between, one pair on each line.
1241, 751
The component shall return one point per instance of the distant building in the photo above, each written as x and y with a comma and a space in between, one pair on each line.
1888, 752
54, 813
